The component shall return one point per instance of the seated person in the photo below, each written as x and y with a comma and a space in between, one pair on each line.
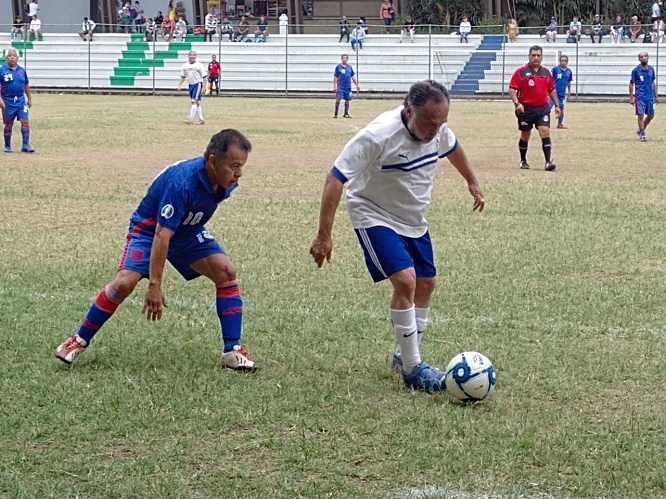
35, 28
124, 20
168, 29
357, 37
657, 30
158, 19
261, 34
635, 29
210, 26
551, 30
17, 28
150, 28
617, 30
87, 28
575, 28
408, 29
597, 28
181, 29
243, 30
464, 29
226, 28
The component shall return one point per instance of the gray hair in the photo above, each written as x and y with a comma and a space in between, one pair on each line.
11, 50
424, 91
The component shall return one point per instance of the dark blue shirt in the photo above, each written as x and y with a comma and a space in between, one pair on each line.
642, 80
12, 84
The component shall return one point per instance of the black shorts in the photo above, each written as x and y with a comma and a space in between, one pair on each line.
533, 117
212, 78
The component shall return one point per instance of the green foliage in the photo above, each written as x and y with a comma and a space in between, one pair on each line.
424, 11
489, 26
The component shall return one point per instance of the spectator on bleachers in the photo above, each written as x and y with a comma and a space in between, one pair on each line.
408, 29
33, 7
243, 30
386, 12
284, 23
597, 28
657, 30
26, 11
150, 29
139, 19
181, 29
168, 29
364, 24
551, 30
180, 11
575, 28
617, 30
171, 12
464, 29
87, 28
261, 34
124, 19
226, 28
344, 29
158, 19
512, 29
656, 10
17, 29
210, 25
35, 28
635, 29
357, 37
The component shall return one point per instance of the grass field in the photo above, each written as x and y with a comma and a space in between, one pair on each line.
560, 282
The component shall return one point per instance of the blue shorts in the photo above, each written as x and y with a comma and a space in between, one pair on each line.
644, 107
14, 112
183, 250
195, 91
343, 95
387, 252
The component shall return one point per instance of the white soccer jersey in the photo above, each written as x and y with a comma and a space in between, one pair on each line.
193, 73
390, 175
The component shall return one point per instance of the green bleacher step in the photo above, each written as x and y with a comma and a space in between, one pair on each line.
122, 81
132, 71
22, 45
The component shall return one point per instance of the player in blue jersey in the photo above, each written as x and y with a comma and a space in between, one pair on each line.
343, 76
643, 93
169, 225
14, 88
562, 77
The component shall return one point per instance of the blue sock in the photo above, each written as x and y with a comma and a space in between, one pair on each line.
641, 131
230, 312
346, 107
99, 312
25, 134
8, 137
560, 118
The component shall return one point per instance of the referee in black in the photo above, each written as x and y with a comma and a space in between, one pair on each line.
529, 89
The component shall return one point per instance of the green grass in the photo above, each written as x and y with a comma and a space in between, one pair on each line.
559, 282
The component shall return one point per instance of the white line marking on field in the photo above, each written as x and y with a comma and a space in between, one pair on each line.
434, 492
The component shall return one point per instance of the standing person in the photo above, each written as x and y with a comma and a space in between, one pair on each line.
656, 10
214, 70
14, 89
389, 168
196, 75
386, 15
343, 76
140, 19
169, 225
529, 89
284, 23
464, 29
512, 29
643, 94
562, 77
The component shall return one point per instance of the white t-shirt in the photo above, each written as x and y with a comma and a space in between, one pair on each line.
33, 8
88, 25
390, 175
36, 25
656, 9
193, 73
465, 27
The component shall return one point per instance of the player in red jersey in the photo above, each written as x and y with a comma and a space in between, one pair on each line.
214, 70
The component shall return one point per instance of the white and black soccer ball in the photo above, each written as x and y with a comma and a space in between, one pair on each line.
470, 377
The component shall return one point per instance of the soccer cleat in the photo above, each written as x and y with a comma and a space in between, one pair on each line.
425, 377
561, 127
643, 138
202, 122
550, 166
524, 166
335, 115
8, 149
187, 122
395, 367
346, 116
70, 349
27, 149
238, 360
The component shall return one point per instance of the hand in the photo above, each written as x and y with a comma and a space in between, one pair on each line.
558, 111
520, 109
153, 301
2, 104
479, 202
29, 103
632, 100
321, 249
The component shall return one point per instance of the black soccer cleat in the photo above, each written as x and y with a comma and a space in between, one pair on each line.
524, 166
346, 116
550, 166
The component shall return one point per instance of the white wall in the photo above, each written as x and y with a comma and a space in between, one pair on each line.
59, 19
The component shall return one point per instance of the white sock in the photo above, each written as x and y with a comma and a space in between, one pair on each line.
421, 321
193, 111
199, 113
404, 328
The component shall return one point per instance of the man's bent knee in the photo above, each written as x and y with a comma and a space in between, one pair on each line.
404, 282
124, 283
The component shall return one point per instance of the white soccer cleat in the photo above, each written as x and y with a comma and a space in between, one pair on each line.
70, 349
238, 360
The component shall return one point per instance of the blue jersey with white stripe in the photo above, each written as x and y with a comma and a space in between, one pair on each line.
642, 79
562, 78
180, 199
344, 75
12, 85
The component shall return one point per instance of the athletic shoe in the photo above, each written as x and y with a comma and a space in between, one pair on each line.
395, 367
335, 115
561, 127
202, 122
70, 349
524, 166
643, 138
425, 377
187, 122
27, 149
8, 149
550, 166
346, 116
238, 360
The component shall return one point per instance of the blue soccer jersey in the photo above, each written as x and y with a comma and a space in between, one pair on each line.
179, 199
642, 80
562, 78
344, 75
12, 85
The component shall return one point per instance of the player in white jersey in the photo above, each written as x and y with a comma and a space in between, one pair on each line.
389, 168
195, 74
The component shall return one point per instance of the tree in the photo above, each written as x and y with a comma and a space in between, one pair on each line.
424, 11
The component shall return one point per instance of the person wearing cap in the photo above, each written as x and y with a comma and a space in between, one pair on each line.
597, 28
551, 30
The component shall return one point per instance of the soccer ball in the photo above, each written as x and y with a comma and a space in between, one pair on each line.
470, 377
